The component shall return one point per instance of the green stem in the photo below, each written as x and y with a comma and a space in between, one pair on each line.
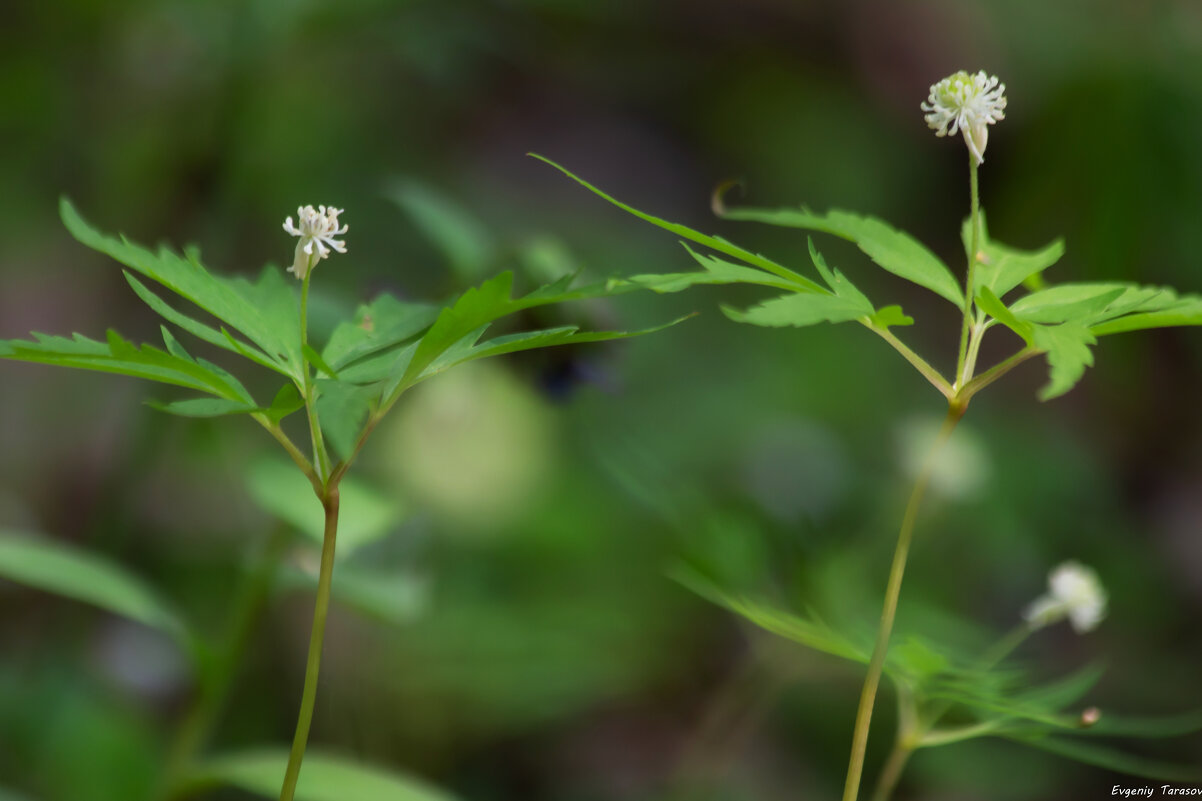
299, 458
859, 744
307, 390
994, 373
963, 375
321, 608
919, 363
892, 771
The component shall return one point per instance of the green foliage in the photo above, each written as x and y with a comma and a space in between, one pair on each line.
73, 573
365, 515
324, 778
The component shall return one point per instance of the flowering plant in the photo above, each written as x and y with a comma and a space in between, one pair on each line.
1060, 323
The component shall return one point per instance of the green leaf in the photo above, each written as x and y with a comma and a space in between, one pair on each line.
1004, 268
343, 408
323, 777
800, 310
466, 350
1068, 302
717, 271
365, 515
119, 356
314, 358
448, 226
198, 329
993, 306
1113, 759
1186, 311
1067, 347
286, 401
892, 250
1111, 725
202, 407
381, 324
64, 570
891, 315
714, 243
224, 299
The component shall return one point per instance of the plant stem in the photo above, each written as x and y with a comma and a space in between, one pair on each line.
891, 773
307, 391
876, 665
963, 375
920, 364
997, 371
299, 458
321, 608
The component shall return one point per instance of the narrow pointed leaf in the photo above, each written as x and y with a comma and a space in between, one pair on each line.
801, 310
286, 401
1082, 302
891, 249
712, 242
202, 407
717, 271
381, 324
1114, 759
1005, 268
64, 570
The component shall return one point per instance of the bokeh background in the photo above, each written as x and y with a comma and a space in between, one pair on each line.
523, 638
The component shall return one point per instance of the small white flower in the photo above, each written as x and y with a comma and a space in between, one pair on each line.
966, 103
1075, 593
317, 230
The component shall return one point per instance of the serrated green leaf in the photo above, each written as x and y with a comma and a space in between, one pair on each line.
717, 271
323, 777
197, 328
1113, 759
714, 243
202, 407
342, 408
379, 325
365, 515
82, 576
1082, 303
800, 310
891, 249
1187, 311
224, 299
1067, 348
286, 401
449, 227
116, 355
314, 358
1004, 268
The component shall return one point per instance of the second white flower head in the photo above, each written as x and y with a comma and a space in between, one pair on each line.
317, 229
1075, 592
966, 103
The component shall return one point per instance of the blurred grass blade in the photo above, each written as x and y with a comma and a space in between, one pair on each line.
715, 243
1114, 760
449, 227
322, 778
891, 249
365, 515
61, 569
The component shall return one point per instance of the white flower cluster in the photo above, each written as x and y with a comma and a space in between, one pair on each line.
317, 230
1074, 592
966, 103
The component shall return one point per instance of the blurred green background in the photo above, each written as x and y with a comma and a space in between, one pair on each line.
524, 640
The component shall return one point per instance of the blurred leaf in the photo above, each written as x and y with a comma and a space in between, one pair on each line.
314, 358
716, 243
448, 226
1186, 311
63, 570
254, 309
799, 310
892, 250
1162, 726
323, 777
120, 356
395, 596
9, 795
364, 514
381, 324
202, 407
1004, 268
1113, 759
